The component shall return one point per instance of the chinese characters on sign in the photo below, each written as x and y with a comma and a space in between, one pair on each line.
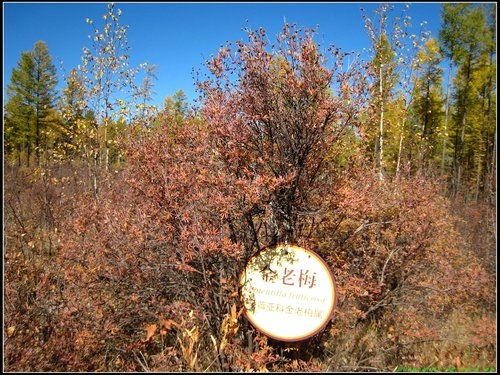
299, 311
290, 278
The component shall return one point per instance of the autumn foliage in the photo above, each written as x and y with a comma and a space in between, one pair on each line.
144, 275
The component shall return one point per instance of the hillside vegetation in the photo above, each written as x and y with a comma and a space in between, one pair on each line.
127, 226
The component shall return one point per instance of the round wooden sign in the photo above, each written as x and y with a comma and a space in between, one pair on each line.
289, 293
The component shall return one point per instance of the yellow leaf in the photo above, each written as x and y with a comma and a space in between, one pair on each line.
223, 343
214, 341
150, 331
167, 323
10, 331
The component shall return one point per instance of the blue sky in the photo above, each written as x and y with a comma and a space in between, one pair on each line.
179, 37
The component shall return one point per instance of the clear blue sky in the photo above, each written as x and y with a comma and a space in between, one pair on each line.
178, 37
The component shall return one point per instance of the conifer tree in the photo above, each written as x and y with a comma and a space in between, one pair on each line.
464, 37
426, 109
31, 102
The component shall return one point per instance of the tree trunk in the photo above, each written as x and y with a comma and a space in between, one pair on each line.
37, 140
493, 173
400, 149
381, 129
460, 154
445, 135
19, 154
106, 149
28, 155
461, 145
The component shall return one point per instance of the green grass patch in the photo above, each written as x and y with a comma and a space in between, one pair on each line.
446, 369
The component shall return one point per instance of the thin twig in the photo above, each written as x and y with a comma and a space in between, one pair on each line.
385, 264
143, 365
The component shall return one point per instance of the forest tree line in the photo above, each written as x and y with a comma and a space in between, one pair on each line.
412, 122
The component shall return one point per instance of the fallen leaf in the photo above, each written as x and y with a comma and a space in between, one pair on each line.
150, 331
10, 331
167, 323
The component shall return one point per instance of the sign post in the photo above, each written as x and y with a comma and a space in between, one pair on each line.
289, 293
